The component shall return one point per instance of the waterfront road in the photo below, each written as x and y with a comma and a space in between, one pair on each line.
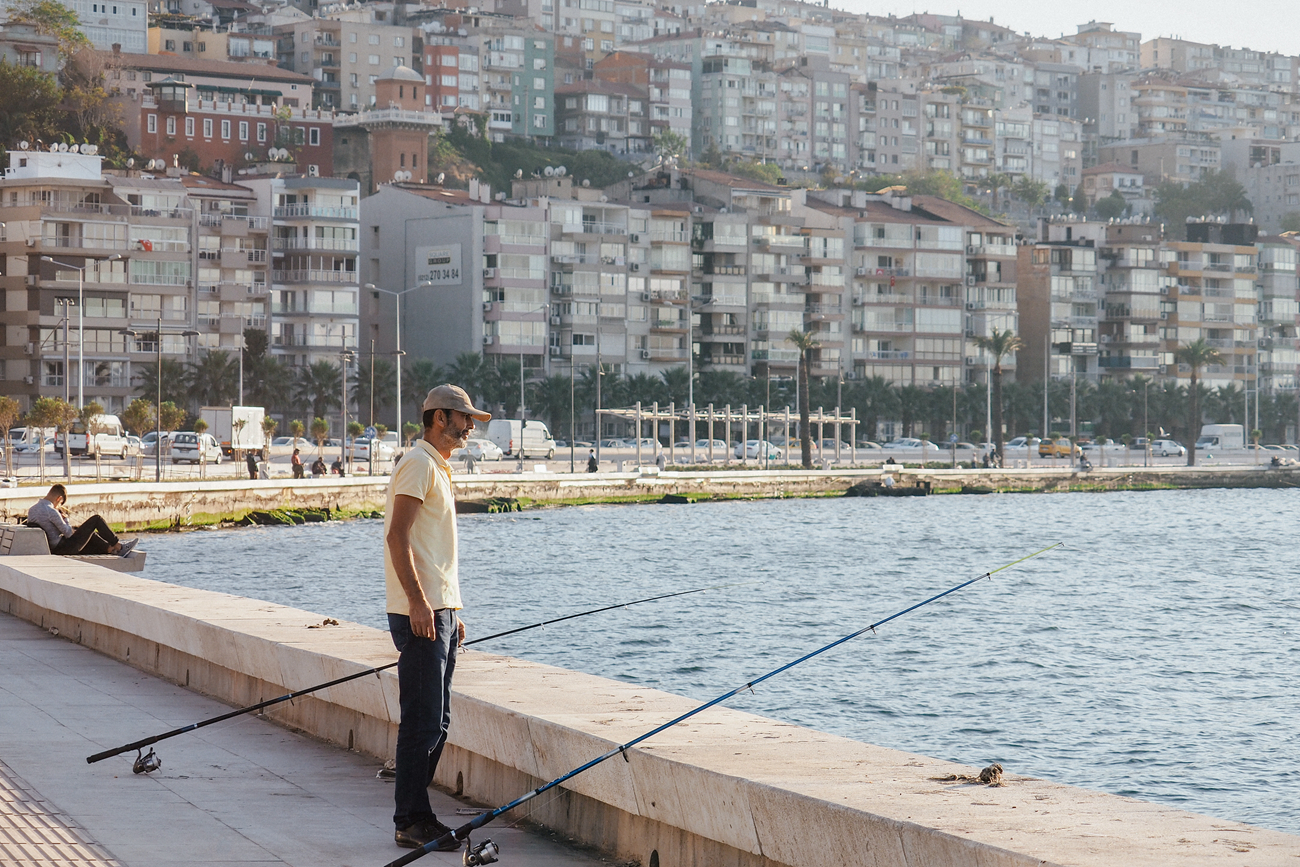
242, 792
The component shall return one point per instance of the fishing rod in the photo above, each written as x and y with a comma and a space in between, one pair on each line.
145, 764
486, 852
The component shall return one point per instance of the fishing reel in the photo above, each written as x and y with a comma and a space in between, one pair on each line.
484, 853
146, 764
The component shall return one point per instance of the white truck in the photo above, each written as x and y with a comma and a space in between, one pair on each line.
1222, 437
108, 438
521, 437
223, 424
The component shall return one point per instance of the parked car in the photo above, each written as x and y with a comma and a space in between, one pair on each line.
133, 446
480, 450
1022, 443
868, 444
289, 441
148, 443
31, 448
195, 448
828, 445
613, 444
904, 443
720, 448
361, 449
579, 444
756, 449
1165, 448
1061, 448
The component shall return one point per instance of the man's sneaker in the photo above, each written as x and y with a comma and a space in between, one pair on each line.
418, 835
127, 547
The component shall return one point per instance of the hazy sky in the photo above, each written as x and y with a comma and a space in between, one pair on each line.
1264, 25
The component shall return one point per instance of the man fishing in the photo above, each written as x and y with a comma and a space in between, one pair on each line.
423, 590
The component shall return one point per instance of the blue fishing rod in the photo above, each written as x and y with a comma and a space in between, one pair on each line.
147, 763
486, 852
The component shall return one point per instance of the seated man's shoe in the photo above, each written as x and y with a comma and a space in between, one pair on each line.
418, 835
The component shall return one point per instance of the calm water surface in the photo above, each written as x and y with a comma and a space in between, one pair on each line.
1154, 656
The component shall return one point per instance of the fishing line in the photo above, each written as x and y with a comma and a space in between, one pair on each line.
149, 741
462, 833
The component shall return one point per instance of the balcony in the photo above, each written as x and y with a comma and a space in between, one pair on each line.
789, 356
593, 227
727, 270
337, 245
297, 212
314, 277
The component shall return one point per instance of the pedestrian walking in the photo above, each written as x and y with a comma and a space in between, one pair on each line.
423, 596
592, 465
296, 462
251, 460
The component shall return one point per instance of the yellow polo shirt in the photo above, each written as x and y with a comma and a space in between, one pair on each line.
425, 475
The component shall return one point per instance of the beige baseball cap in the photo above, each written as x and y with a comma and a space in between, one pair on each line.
452, 397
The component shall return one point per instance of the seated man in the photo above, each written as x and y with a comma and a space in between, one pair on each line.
318, 468
92, 537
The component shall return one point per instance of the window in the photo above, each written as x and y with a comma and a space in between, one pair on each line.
374, 39
398, 42
189, 126
261, 132
225, 129
313, 136
207, 127
352, 57
243, 130
171, 126
539, 102
449, 81
373, 59
539, 120
539, 84
153, 123
352, 79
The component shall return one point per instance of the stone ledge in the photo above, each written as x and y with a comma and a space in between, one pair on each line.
727, 787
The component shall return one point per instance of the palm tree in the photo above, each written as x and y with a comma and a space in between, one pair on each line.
214, 379
875, 398
997, 182
419, 378
472, 373
385, 379
675, 386
998, 344
268, 382
1196, 355
550, 400
805, 342
175, 381
911, 406
317, 388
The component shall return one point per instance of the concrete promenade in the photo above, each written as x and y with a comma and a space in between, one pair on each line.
245, 791
725, 788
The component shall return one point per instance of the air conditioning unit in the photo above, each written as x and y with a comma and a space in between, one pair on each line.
487, 306
1106, 338
1164, 315
30, 348
635, 239
971, 251
1164, 368
645, 353
635, 266
489, 273
313, 171
646, 296
30, 380
1164, 290
970, 305
489, 339
555, 320
862, 272
555, 352
970, 332
970, 279
970, 360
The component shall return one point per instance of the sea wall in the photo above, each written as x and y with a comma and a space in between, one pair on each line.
726, 788
146, 505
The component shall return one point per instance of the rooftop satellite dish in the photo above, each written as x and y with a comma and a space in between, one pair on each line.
93, 150
549, 172
561, 172
63, 147
248, 156
604, 198
519, 173
586, 182
24, 145
441, 177
130, 162
75, 149
54, 148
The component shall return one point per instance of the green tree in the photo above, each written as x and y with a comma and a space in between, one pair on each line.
1291, 222
550, 400
385, 378
296, 430
138, 416
29, 102
175, 381
1213, 194
418, 378
1196, 355
320, 431
171, 416
472, 373
214, 379
1112, 207
999, 344
768, 173
269, 425
9, 413
875, 398
317, 388
670, 145
57, 413
997, 182
805, 342
1033, 193
50, 18
1062, 195
410, 430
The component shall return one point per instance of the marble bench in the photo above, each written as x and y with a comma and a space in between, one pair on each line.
17, 540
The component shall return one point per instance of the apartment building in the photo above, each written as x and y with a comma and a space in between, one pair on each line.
314, 274
124, 23
1107, 110
193, 39
1164, 158
603, 115
1101, 181
1279, 315
1111, 50
667, 82
1135, 290
133, 249
1057, 302
344, 54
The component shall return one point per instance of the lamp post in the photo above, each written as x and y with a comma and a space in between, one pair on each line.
345, 357
81, 358
547, 309
397, 304
705, 300
158, 441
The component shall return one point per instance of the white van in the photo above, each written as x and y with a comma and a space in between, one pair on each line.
516, 437
109, 438
29, 436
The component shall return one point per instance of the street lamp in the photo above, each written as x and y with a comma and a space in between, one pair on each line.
397, 303
705, 301
345, 357
158, 442
547, 309
81, 359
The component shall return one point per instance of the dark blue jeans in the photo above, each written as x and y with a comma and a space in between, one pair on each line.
424, 672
